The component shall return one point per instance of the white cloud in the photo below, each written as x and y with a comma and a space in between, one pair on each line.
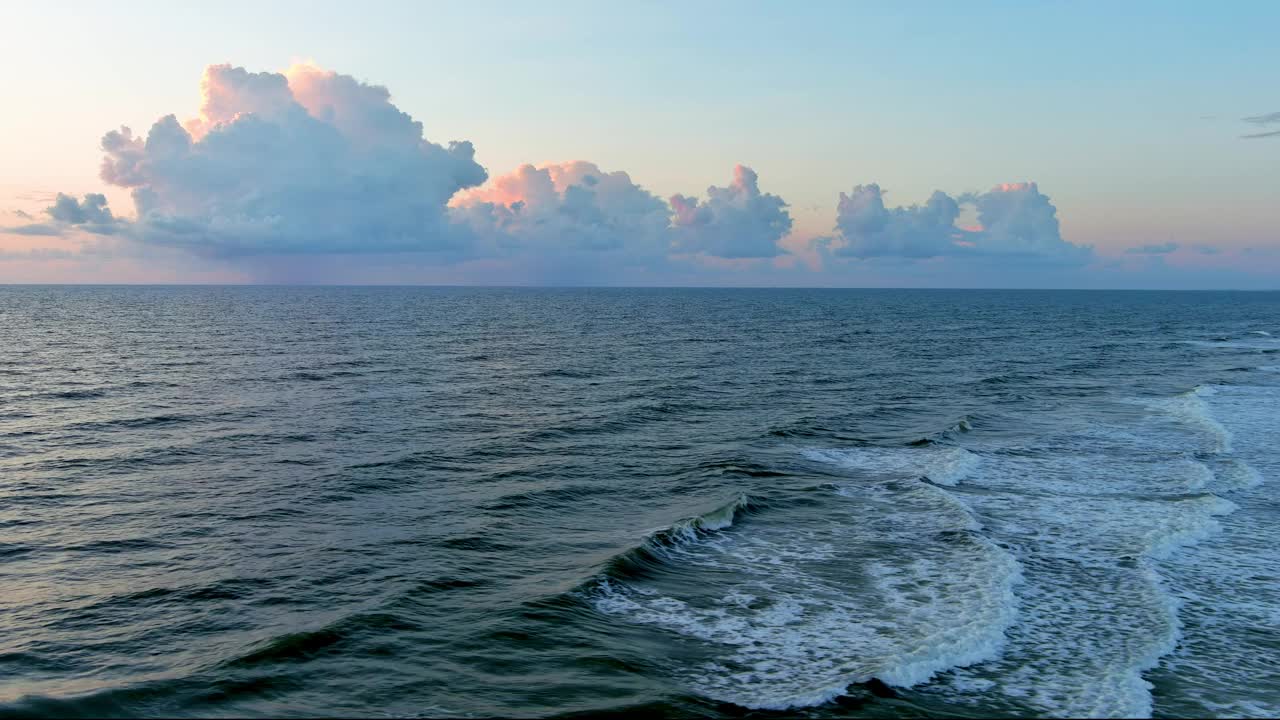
89, 214
1015, 222
305, 162
869, 229
737, 221
565, 209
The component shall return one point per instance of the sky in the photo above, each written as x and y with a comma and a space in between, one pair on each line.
943, 144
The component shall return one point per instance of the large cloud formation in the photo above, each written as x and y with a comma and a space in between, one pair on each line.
1015, 220
302, 161
566, 208
869, 229
735, 222
577, 208
311, 162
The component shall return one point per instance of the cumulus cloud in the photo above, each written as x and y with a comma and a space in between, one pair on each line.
1162, 249
89, 214
302, 161
737, 221
1015, 220
583, 216
311, 162
92, 210
869, 229
565, 208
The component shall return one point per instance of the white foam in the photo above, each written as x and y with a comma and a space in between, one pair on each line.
1051, 581
1190, 408
1194, 475
1191, 521
1258, 343
1090, 516
939, 464
717, 519
1236, 474
794, 628
1093, 616
1228, 584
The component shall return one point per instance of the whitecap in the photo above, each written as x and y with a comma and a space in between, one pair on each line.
944, 465
793, 608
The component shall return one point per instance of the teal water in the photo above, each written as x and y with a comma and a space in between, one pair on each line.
520, 502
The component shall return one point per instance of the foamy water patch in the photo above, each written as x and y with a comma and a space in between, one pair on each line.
1236, 474
1190, 409
939, 464
1250, 342
1091, 524
792, 610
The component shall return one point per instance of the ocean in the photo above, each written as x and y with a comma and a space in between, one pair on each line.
459, 502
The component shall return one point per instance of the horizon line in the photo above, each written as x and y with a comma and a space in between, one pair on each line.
531, 286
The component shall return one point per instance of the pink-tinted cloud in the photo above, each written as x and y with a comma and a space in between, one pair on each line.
333, 168
575, 207
736, 222
1015, 221
288, 176
567, 208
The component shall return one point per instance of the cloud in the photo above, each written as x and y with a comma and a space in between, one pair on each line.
565, 209
307, 161
1162, 249
93, 209
291, 175
869, 229
1015, 221
312, 162
1267, 119
571, 218
737, 221
90, 215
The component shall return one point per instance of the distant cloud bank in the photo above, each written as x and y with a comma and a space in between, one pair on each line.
280, 169
1013, 220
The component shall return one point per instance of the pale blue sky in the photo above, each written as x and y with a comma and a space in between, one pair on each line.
1128, 115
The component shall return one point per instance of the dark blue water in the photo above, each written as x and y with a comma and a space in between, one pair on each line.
522, 502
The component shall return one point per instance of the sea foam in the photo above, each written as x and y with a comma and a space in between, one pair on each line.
793, 628
943, 465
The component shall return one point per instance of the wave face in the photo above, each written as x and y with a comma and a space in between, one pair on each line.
688, 503
801, 601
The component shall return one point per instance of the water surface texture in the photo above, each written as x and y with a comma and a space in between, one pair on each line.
476, 502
